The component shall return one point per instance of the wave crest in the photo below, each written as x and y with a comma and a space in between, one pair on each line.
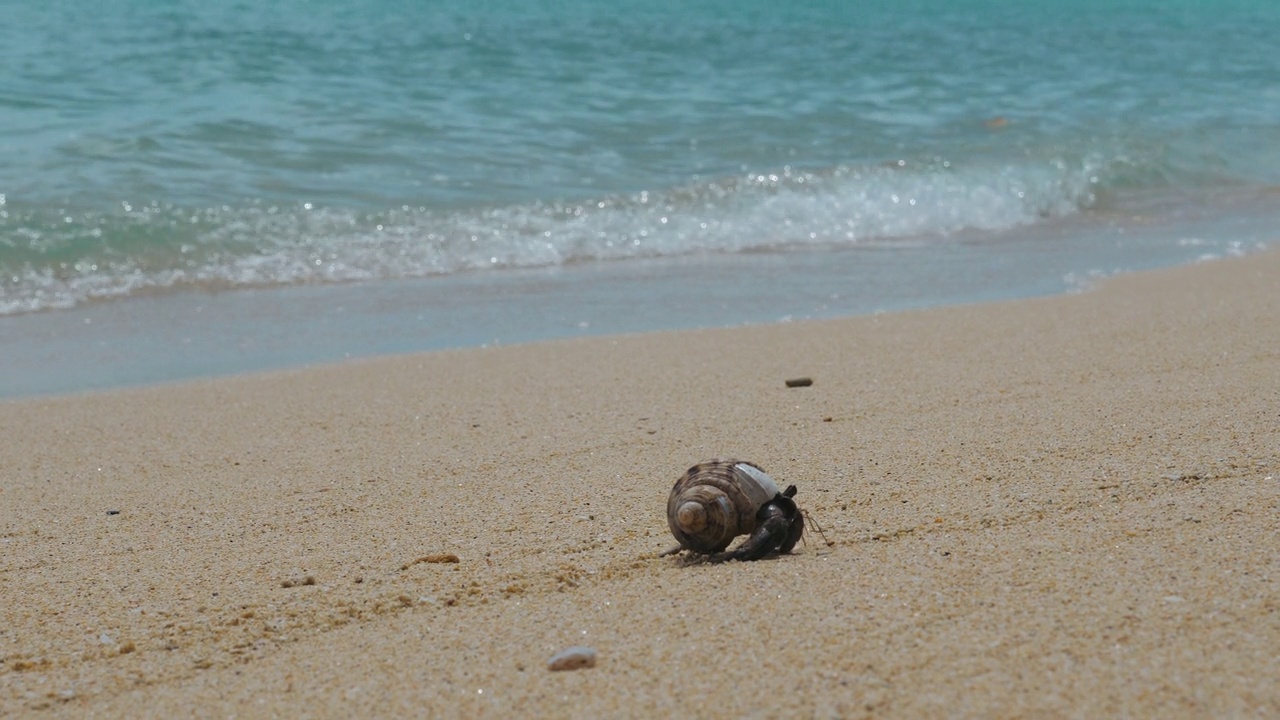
58, 259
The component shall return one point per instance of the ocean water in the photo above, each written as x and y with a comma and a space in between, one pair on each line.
509, 170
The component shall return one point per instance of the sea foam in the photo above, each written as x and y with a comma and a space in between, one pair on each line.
56, 259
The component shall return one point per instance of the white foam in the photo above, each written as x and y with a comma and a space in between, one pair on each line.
150, 247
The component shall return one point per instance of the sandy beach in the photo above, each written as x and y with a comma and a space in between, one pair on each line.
1059, 507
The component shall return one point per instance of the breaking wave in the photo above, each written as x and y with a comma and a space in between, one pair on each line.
57, 258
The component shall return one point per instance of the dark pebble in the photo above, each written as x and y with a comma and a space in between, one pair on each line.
113, 512
799, 382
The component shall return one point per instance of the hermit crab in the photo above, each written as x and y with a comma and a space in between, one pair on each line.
718, 500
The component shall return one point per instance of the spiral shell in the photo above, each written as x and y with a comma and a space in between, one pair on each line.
716, 501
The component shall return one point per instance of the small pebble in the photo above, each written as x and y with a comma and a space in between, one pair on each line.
432, 558
799, 382
113, 512
573, 658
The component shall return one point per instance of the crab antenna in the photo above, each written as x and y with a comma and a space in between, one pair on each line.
808, 519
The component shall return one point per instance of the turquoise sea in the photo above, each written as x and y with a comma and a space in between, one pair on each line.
193, 188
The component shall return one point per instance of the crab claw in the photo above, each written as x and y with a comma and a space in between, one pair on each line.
779, 526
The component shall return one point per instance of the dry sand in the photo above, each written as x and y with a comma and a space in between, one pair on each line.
1061, 507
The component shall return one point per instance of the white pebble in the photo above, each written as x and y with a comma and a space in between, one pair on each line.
573, 658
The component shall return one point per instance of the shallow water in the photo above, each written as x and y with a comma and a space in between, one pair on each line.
180, 336
155, 150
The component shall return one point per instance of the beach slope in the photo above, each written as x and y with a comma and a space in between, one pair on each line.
1064, 506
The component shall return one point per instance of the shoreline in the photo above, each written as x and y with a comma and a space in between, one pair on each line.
175, 337
1060, 505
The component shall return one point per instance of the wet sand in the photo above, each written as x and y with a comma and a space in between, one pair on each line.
1059, 507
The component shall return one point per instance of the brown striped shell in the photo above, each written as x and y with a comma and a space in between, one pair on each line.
716, 501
